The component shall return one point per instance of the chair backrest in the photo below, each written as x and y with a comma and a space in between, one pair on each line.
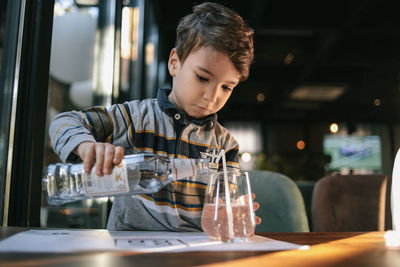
281, 203
349, 203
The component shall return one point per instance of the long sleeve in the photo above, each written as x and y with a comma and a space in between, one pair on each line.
95, 124
67, 131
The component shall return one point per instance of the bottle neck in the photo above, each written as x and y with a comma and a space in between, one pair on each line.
178, 168
184, 168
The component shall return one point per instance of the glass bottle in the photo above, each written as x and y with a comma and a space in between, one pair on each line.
137, 174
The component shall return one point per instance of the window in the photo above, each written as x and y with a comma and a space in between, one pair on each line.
102, 53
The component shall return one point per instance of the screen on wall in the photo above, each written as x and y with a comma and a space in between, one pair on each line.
353, 152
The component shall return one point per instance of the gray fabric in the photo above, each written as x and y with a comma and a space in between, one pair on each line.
281, 203
130, 212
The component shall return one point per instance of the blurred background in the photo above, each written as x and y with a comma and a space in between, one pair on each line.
323, 94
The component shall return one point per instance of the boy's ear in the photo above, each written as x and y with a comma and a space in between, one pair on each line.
173, 62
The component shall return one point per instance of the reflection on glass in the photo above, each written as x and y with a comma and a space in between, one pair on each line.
10, 56
129, 46
5, 103
151, 59
81, 75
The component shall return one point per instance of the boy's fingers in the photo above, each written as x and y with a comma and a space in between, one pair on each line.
88, 158
99, 159
108, 158
256, 206
244, 199
118, 155
258, 220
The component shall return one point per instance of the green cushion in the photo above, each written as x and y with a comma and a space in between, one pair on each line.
306, 189
281, 203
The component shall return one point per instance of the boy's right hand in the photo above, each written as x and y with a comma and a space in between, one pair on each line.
105, 154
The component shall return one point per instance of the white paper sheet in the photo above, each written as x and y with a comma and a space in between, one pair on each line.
58, 241
100, 240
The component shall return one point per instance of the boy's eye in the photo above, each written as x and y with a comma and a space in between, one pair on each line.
201, 78
227, 88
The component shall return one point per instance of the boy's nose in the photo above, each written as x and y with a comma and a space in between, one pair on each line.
211, 94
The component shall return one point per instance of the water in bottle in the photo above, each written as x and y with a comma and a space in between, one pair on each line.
137, 174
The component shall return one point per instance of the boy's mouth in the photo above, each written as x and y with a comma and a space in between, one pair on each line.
203, 109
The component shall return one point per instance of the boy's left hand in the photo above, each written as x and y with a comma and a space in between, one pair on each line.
256, 206
244, 200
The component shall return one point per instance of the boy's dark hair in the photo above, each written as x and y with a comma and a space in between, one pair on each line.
216, 26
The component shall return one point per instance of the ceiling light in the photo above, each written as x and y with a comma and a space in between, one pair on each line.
246, 157
317, 92
300, 145
334, 128
289, 58
260, 97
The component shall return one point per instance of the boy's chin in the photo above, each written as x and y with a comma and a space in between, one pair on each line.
198, 116
196, 112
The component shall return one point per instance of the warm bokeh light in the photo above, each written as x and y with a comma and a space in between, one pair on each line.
150, 53
260, 97
246, 157
300, 145
129, 33
289, 58
334, 128
58, 9
65, 212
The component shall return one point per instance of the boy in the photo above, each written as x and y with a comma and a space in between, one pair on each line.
214, 49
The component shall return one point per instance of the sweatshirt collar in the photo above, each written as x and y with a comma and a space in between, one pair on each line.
171, 109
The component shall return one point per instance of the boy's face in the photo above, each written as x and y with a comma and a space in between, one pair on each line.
203, 82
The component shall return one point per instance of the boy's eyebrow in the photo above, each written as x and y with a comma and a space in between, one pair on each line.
210, 73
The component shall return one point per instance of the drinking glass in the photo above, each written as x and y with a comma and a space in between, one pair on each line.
228, 213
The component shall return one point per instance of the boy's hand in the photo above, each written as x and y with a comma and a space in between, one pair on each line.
105, 154
256, 206
243, 200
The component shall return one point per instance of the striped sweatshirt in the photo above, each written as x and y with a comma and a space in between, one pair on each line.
150, 126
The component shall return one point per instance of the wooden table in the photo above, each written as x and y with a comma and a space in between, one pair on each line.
326, 249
